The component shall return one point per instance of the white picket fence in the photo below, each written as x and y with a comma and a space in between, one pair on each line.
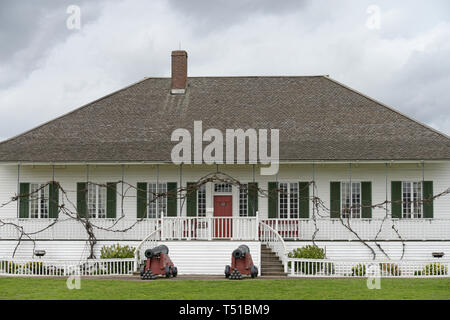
364, 268
91, 267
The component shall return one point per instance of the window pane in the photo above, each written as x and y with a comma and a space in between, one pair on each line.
44, 201
34, 200
293, 197
201, 201
162, 200
283, 200
222, 187
345, 199
406, 199
243, 200
152, 203
356, 200
92, 200
101, 213
417, 199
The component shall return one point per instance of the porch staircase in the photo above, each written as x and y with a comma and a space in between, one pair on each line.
271, 265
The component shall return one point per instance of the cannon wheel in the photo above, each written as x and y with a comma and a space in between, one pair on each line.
227, 271
174, 272
254, 272
167, 269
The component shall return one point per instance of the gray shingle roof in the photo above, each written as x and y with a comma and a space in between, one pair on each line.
318, 119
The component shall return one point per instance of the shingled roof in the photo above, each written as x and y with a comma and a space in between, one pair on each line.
318, 119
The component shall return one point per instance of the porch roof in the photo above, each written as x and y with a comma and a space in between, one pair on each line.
318, 119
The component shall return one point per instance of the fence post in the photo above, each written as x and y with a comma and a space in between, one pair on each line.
162, 227
257, 225
210, 227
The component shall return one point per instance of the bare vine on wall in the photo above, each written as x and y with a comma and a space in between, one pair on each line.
68, 210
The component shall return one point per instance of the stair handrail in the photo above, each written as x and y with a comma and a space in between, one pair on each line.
275, 242
137, 251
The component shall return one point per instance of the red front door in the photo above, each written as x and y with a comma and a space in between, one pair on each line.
223, 208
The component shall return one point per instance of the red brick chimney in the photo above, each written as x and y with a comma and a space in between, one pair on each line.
179, 71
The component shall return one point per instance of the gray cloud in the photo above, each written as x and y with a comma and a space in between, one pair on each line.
47, 70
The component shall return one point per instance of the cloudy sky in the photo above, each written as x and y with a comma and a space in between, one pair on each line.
397, 52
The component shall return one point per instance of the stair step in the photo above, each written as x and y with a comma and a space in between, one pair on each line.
272, 268
270, 263
279, 274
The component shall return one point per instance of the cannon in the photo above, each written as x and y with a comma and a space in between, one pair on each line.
158, 263
241, 264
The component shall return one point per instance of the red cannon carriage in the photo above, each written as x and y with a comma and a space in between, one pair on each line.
241, 264
158, 263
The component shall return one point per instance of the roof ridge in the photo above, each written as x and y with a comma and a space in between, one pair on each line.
387, 107
72, 111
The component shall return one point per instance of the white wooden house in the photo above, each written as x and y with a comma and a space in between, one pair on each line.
110, 157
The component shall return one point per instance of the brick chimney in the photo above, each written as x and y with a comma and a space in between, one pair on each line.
179, 72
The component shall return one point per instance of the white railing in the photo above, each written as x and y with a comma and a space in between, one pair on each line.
209, 228
233, 228
367, 229
70, 229
274, 241
148, 242
91, 267
364, 268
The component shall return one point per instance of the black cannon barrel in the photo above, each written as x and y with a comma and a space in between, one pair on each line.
241, 251
156, 251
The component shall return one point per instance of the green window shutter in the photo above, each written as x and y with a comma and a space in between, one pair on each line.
24, 200
81, 198
396, 199
141, 210
111, 200
427, 197
303, 198
252, 192
273, 200
172, 199
335, 199
191, 199
53, 200
366, 199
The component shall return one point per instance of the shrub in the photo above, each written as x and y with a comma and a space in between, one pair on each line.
434, 269
116, 251
359, 270
309, 252
390, 269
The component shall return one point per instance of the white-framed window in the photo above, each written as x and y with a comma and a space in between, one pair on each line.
351, 199
222, 188
412, 199
156, 204
243, 200
39, 200
201, 201
288, 200
96, 203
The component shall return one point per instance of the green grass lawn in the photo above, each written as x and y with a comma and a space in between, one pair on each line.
35, 288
